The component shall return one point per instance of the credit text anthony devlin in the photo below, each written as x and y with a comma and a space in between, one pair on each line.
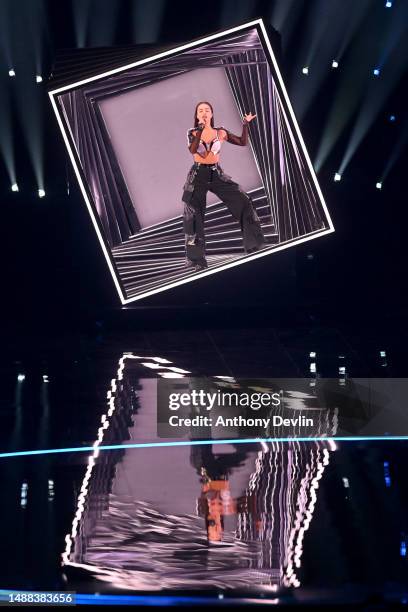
240, 421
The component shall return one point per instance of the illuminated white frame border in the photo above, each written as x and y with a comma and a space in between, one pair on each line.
239, 261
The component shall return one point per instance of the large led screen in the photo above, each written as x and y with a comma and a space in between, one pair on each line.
191, 161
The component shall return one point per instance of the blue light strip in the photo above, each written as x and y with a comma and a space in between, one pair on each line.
148, 600
82, 449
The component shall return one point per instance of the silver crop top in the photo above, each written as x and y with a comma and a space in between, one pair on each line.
203, 148
206, 147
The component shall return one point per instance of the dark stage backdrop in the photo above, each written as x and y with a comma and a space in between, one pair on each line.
54, 277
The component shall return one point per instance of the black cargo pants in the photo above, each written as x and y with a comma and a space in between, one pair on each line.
201, 179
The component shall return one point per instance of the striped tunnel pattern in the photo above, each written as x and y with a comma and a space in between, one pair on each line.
156, 255
288, 199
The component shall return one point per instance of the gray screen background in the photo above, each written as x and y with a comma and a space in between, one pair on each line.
148, 130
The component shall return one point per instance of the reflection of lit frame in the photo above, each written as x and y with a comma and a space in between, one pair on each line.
324, 229
316, 457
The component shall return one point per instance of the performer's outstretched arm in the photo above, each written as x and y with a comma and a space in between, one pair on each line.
243, 139
239, 140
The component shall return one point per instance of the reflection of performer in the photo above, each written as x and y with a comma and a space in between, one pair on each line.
205, 142
215, 501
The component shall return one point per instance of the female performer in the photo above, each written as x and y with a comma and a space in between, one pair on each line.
204, 142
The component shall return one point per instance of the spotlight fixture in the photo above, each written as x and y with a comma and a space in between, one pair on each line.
305, 70
41, 193
12, 72
45, 378
51, 491
38, 78
21, 377
392, 117
337, 177
14, 187
388, 4
378, 185
24, 491
376, 72
335, 64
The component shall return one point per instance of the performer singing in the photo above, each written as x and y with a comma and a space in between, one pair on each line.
204, 142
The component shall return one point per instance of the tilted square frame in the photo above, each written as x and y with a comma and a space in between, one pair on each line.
289, 201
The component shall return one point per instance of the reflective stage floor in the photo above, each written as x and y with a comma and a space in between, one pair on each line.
292, 522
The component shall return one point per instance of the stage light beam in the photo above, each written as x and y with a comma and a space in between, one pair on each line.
351, 85
337, 177
305, 70
335, 64
41, 193
38, 78
398, 148
376, 93
147, 24
376, 72
12, 72
378, 185
14, 187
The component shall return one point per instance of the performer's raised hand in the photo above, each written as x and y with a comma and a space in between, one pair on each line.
249, 117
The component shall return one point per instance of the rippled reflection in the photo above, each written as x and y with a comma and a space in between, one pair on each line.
201, 516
